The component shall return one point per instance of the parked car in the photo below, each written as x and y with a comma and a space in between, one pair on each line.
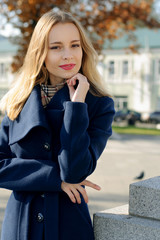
154, 117
129, 115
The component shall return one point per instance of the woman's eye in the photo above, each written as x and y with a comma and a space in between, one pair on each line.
76, 45
55, 47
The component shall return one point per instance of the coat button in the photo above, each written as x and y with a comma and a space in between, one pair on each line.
47, 146
40, 217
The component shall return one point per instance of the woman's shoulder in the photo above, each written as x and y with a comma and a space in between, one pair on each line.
99, 105
102, 102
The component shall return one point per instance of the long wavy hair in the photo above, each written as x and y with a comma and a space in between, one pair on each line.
33, 71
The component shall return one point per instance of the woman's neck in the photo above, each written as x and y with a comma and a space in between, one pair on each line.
55, 82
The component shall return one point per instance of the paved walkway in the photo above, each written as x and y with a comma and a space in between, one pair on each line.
123, 159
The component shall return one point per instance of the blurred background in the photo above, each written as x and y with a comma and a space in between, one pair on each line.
126, 36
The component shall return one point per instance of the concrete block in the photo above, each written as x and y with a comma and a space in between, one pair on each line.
144, 198
116, 224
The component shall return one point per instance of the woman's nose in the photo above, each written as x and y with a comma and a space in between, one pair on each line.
67, 54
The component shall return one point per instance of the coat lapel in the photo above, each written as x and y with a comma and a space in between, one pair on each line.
33, 113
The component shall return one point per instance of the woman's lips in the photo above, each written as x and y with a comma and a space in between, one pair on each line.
67, 66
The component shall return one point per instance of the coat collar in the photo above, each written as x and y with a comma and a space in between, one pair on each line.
33, 113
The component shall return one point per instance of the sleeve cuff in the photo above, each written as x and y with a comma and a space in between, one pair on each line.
76, 115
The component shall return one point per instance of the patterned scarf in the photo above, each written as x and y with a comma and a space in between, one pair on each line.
48, 91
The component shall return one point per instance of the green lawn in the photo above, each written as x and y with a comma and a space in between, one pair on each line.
136, 130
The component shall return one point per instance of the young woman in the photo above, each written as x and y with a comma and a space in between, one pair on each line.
57, 124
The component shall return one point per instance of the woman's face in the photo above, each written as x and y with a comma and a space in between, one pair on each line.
64, 54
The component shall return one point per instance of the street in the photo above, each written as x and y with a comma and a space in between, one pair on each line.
124, 158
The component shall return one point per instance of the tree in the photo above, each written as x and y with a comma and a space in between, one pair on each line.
103, 19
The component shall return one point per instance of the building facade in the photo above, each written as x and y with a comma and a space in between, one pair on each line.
134, 79
7, 51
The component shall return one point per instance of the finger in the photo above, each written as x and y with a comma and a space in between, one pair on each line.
73, 78
84, 193
72, 81
79, 77
71, 91
91, 184
69, 83
76, 195
70, 195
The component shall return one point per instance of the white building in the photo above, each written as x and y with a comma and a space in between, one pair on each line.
134, 79
7, 51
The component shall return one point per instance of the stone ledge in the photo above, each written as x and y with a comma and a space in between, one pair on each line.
144, 198
116, 224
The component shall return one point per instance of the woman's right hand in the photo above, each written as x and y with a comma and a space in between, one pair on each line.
73, 190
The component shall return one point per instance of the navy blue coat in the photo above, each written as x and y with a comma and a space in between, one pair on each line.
43, 147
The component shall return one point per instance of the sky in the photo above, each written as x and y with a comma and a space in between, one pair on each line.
9, 31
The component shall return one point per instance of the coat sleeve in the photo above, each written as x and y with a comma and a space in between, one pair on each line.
82, 142
25, 174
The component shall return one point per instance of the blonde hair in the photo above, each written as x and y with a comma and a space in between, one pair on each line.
33, 71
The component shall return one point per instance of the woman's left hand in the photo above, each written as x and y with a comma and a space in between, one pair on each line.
73, 190
78, 94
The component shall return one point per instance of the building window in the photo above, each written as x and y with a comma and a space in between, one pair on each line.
111, 68
158, 104
121, 102
158, 67
2, 69
3, 72
125, 68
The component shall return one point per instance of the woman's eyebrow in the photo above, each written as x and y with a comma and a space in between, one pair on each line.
75, 41
61, 42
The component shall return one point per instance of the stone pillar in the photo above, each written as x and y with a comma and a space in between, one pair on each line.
140, 220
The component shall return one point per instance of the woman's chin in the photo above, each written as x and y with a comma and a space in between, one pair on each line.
70, 75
